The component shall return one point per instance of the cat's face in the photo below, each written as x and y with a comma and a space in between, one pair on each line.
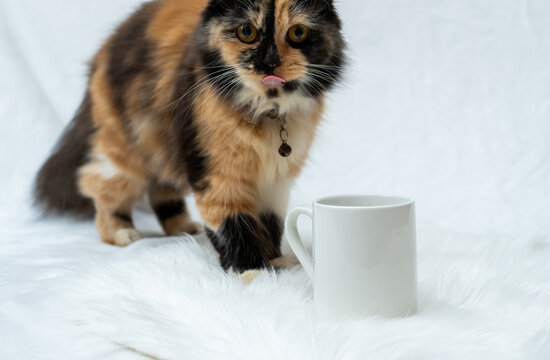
272, 49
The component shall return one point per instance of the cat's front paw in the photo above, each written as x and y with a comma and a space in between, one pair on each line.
284, 262
246, 277
125, 237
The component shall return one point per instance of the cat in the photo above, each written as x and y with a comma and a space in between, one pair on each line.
220, 98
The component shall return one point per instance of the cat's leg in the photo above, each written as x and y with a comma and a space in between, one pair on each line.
275, 205
169, 206
272, 227
269, 228
114, 192
234, 226
242, 242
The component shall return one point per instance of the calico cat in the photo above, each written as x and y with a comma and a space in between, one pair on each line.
221, 98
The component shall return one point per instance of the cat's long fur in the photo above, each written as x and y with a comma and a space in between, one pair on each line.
175, 103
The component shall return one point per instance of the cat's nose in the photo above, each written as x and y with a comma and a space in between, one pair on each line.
272, 58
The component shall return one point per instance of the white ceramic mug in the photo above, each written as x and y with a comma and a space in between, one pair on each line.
364, 255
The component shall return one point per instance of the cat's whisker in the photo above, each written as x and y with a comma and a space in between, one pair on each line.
194, 98
203, 80
199, 69
322, 66
329, 73
226, 90
315, 83
315, 80
322, 77
189, 114
325, 70
197, 84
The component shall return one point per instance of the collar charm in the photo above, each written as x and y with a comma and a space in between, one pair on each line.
285, 150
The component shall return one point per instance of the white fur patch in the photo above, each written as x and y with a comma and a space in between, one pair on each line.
288, 103
102, 166
275, 180
274, 195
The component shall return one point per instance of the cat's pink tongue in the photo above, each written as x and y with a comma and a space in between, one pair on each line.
273, 81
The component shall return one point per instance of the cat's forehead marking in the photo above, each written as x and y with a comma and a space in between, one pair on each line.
284, 12
261, 12
283, 6
257, 13
291, 12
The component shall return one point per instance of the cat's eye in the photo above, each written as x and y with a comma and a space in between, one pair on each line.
298, 34
247, 33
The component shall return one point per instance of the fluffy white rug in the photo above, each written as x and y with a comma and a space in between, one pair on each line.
71, 297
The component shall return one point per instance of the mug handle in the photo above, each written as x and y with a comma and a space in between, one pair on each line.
296, 243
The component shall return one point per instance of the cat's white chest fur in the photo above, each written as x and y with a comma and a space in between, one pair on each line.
277, 172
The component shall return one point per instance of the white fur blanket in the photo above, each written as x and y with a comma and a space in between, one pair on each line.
64, 295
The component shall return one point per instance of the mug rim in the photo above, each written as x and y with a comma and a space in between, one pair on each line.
401, 201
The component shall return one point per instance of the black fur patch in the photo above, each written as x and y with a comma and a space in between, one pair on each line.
186, 147
243, 244
290, 86
273, 227
267, 54
130, 54
194, 158
272, 93
168, 210
325, 78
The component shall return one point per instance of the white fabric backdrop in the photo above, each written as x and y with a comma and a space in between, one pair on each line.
447, 102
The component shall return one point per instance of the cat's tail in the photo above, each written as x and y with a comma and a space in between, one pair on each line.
56, 188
